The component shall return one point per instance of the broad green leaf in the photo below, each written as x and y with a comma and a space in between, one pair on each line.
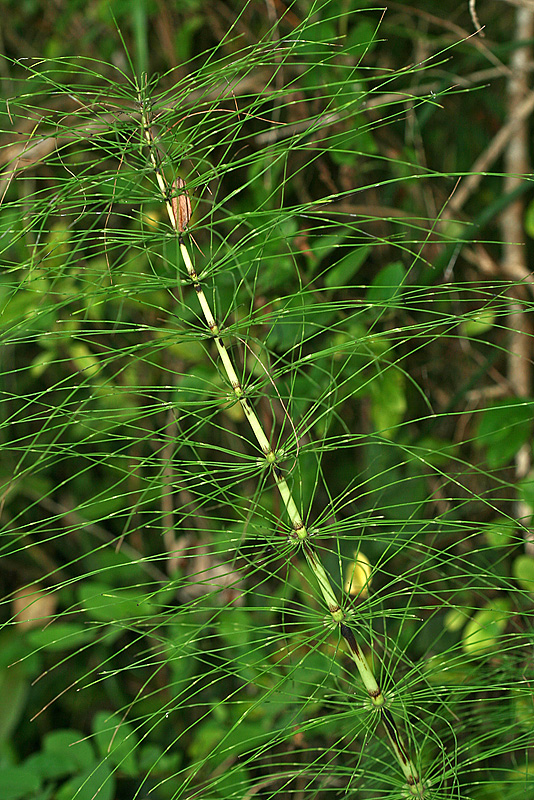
116, 741
215, 739
523, 572
503, 429
434, 451
342, 272
61, 636
195, 386
529, 219
14, 686
65, 752
235, 628
525, 490
500, 532
484, 628
455, 619
18, 782
478, 323
153, 759
71, 746
388, 400
363, 34
233, 783
93, 784
439, 671
107, 604
347, 147
389, 283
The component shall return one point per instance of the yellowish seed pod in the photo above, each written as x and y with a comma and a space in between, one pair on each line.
358, 575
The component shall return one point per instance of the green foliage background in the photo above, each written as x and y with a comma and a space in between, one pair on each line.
161, 636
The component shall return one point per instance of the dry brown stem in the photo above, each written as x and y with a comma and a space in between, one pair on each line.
514, 258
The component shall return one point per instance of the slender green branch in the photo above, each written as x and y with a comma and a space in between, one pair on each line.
299, 529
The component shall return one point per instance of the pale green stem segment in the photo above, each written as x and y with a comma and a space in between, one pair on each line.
297, 523
299, 529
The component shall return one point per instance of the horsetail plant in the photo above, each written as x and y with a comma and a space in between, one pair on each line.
178, 205
167, 570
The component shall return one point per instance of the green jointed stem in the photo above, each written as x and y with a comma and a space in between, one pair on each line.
299, 530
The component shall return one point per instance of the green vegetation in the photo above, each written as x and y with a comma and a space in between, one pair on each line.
265, 479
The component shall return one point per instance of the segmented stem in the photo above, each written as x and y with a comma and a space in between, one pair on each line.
299, 529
